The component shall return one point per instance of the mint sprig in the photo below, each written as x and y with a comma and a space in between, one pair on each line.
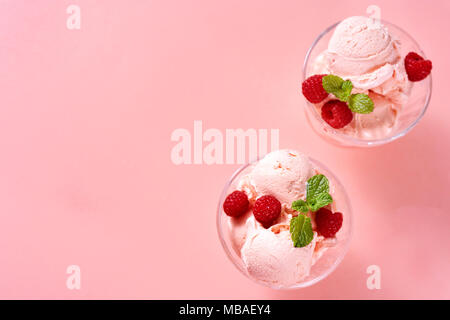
300, 206
320, 201
301, 231
360, 103
317, 195
342, 89
337, 86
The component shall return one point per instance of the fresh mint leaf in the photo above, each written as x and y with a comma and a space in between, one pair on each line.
347, 85
360, 103
320, 201
345, 92
317, 195
316, 185
332, 83
301, 231
300, 206
337, 86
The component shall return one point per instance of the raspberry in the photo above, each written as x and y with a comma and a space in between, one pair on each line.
336, 113
328, 223
266, 210
417, 67
313, 90
236, 204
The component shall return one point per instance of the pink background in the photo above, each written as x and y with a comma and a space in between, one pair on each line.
85, 170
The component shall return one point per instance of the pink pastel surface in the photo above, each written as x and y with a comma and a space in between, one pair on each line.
86, 176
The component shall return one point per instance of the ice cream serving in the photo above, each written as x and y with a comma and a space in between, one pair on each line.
282, 218
361, 82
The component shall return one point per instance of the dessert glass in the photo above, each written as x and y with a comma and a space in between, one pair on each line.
408, 116
330, 258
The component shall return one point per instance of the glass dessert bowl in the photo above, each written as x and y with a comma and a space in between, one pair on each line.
392, 119
270, 254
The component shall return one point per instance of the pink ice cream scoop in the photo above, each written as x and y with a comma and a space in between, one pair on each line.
282, 174
363, 51
361, 45
271, 257
268, 254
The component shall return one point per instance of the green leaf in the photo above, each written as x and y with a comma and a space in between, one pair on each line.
337, 86
316, 185
332, 83
301, 231
300, 206
345, 92
320, 201
347, 85
360, 103
317, 195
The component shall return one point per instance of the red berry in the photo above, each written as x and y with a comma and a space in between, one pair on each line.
336, 113
236, 204
417, 67
327, 222
313, 90
266, 210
